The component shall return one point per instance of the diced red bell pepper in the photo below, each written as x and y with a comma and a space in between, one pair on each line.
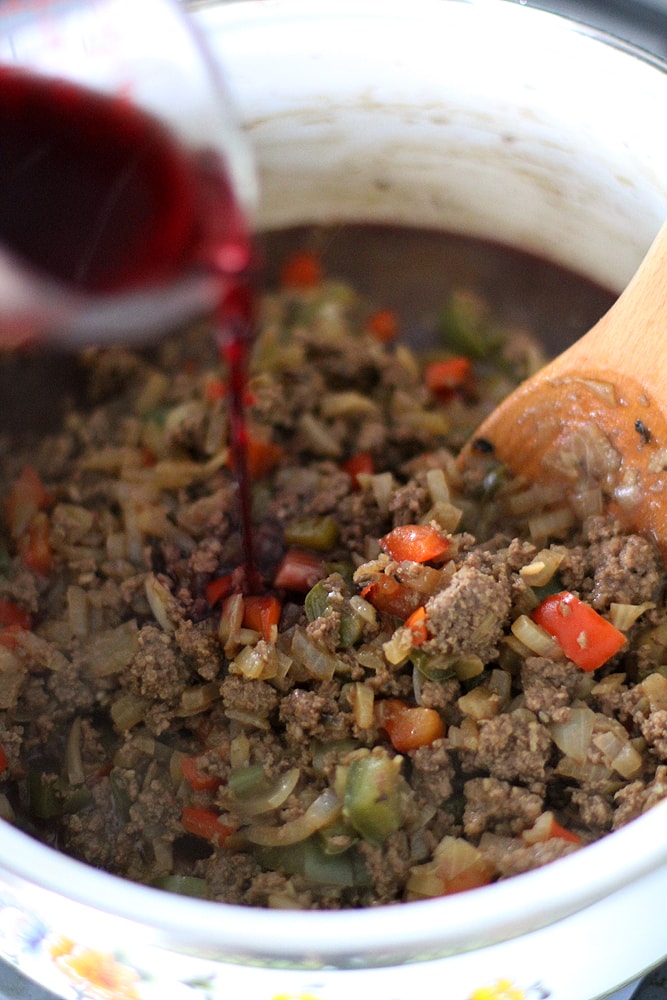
415, 543
299, 570
199, 780
219, 588
587, 639
391, 597
8, 636
262, 457
34, 545
416, 622
472, 877
446, 377
206, 824
12, 614
384, 325
303, 269
546, 827
409, 727
361, 462
216, 389
13, 619
27, 496
262, 614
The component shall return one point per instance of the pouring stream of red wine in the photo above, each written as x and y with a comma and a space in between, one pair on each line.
100, 197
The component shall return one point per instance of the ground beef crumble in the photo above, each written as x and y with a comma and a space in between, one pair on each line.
336, 742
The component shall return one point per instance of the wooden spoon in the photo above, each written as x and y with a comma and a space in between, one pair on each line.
596, 416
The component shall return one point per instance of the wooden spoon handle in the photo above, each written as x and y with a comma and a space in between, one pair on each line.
596, 416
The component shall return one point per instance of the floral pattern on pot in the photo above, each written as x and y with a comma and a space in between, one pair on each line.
75, 970
505, 989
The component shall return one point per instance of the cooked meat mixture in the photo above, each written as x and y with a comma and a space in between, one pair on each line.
440, 682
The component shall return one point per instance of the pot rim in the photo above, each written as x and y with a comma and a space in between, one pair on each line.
473, 919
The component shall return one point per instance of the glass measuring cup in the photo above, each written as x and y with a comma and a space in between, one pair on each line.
126, 188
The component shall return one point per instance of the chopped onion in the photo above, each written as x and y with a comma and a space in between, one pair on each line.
159, 599
629, 491
113, 649
406, 358
596, 776
437, 485
453, 859
573, 737
154, 520
551, 524
534, 497
541, 569
363, 609
176, 768
434, 422
77, 610
467, 667
198, 698
347, 404
174, 474
628, 762
319, 437
319, 662
587, 502
251, 664
655, 688
480, 703
112, 459
152, 393
610, 745
42, 654
536, 639
115, 545
128, 711
230, 623
73, 758
163, 854
247, 718
321, 812
269, 798
362, 699
623, 616
397, 649
446, 514
239, 751
12, 673
424, 579
465, 736
608, 685
260, 662
500, 683
382, 486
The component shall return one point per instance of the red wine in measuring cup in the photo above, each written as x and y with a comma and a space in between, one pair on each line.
100, 197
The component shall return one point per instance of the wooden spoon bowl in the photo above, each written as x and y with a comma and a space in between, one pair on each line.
596, 416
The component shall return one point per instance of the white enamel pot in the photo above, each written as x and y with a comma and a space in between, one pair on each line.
486, 118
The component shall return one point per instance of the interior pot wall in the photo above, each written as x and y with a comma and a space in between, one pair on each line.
486, 118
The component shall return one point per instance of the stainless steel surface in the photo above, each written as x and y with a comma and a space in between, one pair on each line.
642, 22
14, 986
